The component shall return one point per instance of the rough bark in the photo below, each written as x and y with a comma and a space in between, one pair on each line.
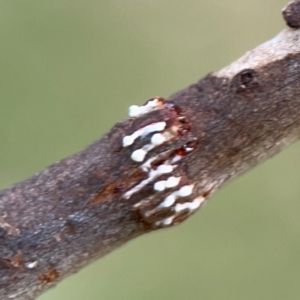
150, 171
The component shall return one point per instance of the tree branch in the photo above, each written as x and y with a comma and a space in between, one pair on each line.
151, 171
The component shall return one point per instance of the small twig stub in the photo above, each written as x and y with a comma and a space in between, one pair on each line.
291, 14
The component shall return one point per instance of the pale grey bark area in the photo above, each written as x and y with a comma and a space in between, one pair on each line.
284, 44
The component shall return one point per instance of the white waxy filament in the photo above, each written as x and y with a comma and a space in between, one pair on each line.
159, 186
158, 139
179, 208
169, 201
183, 192
172, 181
162, 169
165, 184
190, 206
129, 139
137, 111
138, 155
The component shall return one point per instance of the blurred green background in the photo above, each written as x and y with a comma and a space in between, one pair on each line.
70, 69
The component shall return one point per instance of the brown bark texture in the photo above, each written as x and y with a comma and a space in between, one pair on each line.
152, 170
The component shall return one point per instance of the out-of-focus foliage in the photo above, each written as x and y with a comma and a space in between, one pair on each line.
69, 70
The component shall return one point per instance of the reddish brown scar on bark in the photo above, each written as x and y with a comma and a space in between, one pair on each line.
50, 276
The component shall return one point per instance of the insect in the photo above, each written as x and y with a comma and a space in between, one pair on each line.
169, 197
